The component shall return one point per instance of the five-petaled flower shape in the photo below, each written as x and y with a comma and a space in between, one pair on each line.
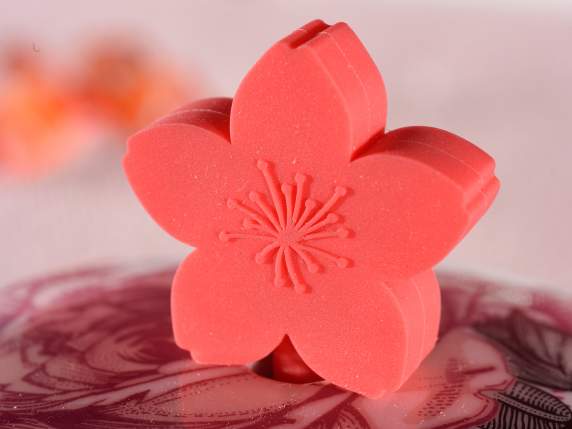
310, 219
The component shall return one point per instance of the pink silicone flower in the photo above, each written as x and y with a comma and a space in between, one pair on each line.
310, 221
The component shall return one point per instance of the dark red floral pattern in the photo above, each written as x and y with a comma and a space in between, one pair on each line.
93, 349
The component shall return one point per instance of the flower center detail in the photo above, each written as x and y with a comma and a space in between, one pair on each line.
290, 223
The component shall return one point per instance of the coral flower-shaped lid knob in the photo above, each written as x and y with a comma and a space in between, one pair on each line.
310, 220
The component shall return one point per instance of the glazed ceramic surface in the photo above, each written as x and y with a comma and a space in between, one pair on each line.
94, 349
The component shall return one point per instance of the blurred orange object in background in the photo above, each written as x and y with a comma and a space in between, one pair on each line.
49, 119
127, 86
42, 125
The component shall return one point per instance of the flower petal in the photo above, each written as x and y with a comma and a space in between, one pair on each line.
413, 195
225, 309
314, 99
357, 332
183, 170
420, 304
429, 290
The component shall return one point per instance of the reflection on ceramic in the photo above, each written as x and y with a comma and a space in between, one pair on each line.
93, 349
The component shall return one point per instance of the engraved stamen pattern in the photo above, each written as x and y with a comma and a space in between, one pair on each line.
290, 222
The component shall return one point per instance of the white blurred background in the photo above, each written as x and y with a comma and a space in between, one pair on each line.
496, 72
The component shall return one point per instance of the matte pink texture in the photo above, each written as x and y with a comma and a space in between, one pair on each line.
310, 220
